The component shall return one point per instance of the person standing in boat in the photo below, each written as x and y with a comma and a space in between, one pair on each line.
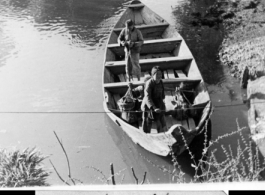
132, 40
153, 105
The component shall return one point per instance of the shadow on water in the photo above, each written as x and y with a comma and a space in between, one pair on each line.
196, 148
203, 41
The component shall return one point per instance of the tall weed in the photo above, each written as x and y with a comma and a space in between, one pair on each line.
22, 168
242, 165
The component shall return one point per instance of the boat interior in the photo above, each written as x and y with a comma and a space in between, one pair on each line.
163, 47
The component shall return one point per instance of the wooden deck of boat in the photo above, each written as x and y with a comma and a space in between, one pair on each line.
150, 46
179, 63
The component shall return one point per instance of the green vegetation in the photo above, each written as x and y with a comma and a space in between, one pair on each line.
22, 168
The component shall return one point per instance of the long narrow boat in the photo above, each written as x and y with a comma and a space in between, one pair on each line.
256, 112
163, 46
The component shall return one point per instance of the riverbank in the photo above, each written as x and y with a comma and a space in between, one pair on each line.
243, 51
244, 43
244, 26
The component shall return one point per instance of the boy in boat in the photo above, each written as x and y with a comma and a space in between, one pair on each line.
132, 40
153, 105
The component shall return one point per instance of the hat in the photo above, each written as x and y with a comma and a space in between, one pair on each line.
155, 69
129, 22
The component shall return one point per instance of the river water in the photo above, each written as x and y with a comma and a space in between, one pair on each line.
50, 81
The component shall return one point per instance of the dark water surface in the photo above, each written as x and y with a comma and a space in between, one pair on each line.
50, 80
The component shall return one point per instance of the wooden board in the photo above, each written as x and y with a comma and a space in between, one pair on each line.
135, 78
128, 14
151, 17
165, 74
136, 6
108, 76
142, 76
170, 73
116, 97
121, 77
146, 74
121, 87
138, 19
110, 100
169, 101
180, 73
150, 46
165, 63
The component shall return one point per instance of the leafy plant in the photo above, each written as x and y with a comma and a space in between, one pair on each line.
22, 168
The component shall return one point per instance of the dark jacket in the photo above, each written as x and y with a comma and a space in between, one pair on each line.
134, 36
153, 96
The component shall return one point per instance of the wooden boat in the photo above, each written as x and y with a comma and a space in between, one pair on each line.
256, 111
163, 46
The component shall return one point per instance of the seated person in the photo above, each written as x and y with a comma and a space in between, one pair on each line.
153, 106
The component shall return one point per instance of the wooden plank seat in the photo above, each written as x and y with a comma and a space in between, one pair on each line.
136, 6
180, 74
170, 73
156, 55
122, 77
148, 31
169, 84
165, 74
179, 63
116, 98
150, 46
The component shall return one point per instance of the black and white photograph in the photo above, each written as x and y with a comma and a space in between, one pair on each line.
158, 95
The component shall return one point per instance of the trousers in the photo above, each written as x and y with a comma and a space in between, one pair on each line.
132, 65
149, 117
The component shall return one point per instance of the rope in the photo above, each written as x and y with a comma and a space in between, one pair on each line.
99, 112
